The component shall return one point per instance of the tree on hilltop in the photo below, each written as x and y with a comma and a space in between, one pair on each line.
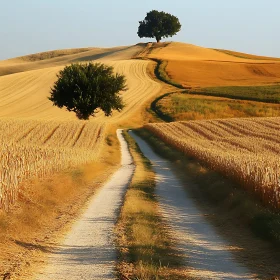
83, 88
158, 25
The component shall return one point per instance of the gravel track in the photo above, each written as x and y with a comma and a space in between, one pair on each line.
88, 251
206, 254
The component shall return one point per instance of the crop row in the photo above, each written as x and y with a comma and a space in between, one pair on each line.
31, 149
246, 150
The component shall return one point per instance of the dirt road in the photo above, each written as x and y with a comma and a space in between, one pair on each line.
207, 255
88, 251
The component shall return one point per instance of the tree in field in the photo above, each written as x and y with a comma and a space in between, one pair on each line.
85, 88
158, 25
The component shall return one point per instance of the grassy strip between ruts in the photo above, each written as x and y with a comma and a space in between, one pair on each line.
182, 107
221, 192
269, 93
146, 251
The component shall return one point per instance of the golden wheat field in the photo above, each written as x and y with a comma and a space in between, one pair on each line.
194, 66
246, 150
37, 138
39, 148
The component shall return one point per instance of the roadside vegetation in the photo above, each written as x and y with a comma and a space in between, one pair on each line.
145, 246
181, 107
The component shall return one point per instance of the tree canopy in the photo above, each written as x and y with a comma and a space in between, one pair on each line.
158, 25
85, 88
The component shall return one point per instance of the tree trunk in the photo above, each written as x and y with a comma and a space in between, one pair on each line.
158, 39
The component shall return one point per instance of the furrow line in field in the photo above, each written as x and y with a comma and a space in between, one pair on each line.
79, 135
51, 134
251, 160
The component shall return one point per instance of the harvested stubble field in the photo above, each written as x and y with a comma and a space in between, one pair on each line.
24, 95
246, 150
38, 138
194, 66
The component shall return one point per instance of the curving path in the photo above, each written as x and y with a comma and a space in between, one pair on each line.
207, 255
88, 251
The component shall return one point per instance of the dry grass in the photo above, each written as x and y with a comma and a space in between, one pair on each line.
182, 107
145, 247
244, 149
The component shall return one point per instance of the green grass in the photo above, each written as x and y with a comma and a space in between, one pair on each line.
270, 93
221, 192
179, 107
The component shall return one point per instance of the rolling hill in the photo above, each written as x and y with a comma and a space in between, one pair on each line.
194, 66
25, 86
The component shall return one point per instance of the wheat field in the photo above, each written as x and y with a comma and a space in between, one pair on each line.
36, 138
33, 148
246, 150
